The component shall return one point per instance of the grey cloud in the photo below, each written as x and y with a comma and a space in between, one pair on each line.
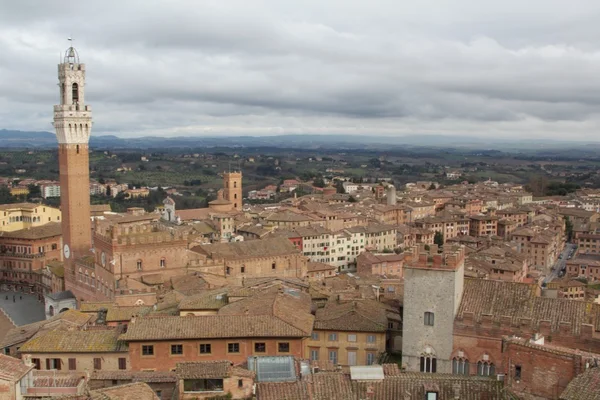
269, 67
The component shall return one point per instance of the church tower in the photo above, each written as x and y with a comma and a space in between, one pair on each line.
73, 123
232, 183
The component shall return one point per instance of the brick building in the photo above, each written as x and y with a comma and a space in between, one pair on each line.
24, 255
536, 368
268, 257
159, 343
369, 263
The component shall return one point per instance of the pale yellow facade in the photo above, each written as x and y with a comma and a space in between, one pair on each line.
14, 217
345, 348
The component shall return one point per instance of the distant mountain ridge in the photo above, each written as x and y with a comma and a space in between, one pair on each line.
43, 139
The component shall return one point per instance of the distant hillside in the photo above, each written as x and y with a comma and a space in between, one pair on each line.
24, 139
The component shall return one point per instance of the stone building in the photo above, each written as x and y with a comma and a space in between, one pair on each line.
432, 292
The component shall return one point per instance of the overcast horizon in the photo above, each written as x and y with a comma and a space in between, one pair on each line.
508, 69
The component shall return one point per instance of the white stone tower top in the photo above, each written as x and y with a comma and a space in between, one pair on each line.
72, 117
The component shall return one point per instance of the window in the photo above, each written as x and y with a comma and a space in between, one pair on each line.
53, 363
283, 347
233, 347
370, 358
147, 350
460, 366
314, 354
428, 364
228, 271
371, 339
431, 396
352, 338
158, 393
260, 347
351, 358
273, 265
243, 269
122, 363
240, 383
36, 362
97, 364
162, 263
429, 317
177, 349
517, 372
205, 348
139, 265
314, 336
203, 385
485, 368
333, 357
72, 364
333, 337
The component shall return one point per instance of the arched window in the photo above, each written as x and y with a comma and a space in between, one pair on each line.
460, 366
234, 184
163, 262
486, 368
139, 265
235, 195
428, 364
75, 93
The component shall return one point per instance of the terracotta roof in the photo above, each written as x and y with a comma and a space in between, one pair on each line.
585, 386
206, 300
391, 370
88, 341
352, 316
203, 370
276, 246
47, 379
282, 390
12, 369
22, 333
50, 229
518, 302
16, 206
134, 376
211, 326
319, 266
331, 386
414, 385
288, 305
130, 391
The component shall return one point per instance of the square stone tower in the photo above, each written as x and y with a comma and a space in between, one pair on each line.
232, 184
73, 124
433, 287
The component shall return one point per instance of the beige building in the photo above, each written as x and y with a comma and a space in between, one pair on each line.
14, 217
350, 333
94, 349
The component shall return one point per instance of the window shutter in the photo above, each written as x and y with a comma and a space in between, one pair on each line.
47, 363
58, 364
72, 364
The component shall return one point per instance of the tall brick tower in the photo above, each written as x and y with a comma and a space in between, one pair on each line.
232, 182
73, 123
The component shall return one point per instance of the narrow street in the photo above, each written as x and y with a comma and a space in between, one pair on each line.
560, 263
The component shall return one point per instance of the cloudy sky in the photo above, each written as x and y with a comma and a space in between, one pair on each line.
510, 68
